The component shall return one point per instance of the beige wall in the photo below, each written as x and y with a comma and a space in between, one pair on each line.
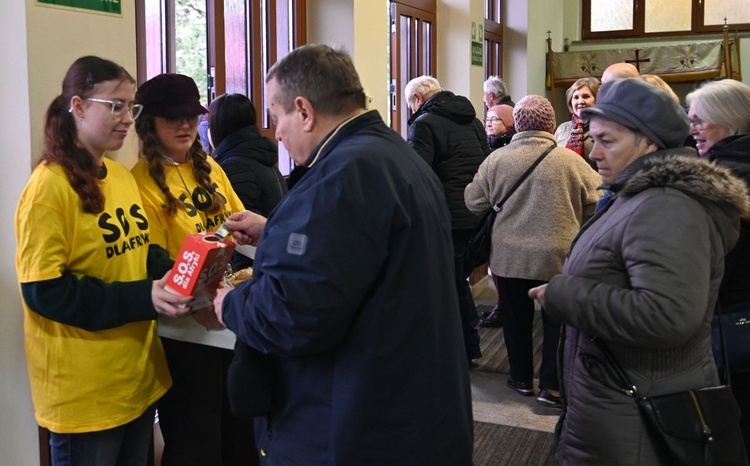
56, 37
454, 69
361, 28
329, 22
525, 38
17, 428
371, 19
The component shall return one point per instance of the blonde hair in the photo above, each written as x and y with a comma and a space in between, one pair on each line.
661, 84
590, 82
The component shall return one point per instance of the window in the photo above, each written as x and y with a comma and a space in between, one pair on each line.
226, 46
605, 19
173, 37
493, 38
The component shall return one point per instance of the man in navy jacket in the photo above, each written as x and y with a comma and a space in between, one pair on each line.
350, 300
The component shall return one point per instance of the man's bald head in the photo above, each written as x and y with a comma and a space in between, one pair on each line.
618, 71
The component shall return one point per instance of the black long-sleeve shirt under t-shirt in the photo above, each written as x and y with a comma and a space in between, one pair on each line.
79, 301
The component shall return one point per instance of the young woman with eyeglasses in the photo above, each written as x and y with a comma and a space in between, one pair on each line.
187, 192
96, 364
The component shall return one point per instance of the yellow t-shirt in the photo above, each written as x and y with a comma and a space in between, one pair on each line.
169, 231
83, 381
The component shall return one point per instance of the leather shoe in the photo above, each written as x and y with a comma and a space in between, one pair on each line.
549, 400
523, 388
495, 319
485, 314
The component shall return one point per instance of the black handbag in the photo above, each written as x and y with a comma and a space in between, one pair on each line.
478, 247
698, 427
734, 322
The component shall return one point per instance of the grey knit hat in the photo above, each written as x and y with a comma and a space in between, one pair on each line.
644, 108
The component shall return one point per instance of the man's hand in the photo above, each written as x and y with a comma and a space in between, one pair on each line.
218, 302
207, 318
246, 227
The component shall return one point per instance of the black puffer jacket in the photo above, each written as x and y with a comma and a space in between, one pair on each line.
250, 162
501, 140
506, 101
446, 133
734, 153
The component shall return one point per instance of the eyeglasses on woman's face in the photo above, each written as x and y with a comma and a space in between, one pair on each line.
493, 120
119, 108
176, 123
697, 123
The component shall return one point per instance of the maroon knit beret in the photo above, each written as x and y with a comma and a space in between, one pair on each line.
534, 113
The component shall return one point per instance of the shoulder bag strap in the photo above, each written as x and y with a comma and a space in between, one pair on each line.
627, 386
726, 377
499, 206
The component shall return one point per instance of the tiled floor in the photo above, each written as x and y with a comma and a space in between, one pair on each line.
495, 403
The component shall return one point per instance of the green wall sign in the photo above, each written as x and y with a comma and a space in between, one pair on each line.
477, 53
100, 6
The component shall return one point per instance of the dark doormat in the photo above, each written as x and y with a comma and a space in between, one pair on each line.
498, 445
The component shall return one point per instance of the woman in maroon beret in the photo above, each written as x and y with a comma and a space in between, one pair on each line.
186, 192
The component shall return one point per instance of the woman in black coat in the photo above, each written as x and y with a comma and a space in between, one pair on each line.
249, 159
719, 113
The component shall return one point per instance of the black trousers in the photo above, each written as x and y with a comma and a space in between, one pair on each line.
518, 326
741, 391
466, 306
194, 415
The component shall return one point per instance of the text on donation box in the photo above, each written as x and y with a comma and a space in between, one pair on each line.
200, 267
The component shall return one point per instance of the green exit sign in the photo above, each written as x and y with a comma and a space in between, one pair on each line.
477, 55
100, 6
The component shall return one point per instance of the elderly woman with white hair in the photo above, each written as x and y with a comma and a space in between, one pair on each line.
532, 233
719, 113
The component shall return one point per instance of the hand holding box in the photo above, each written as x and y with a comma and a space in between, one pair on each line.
199, 267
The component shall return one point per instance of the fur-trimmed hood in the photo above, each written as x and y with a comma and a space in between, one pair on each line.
679, 169
724, 194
